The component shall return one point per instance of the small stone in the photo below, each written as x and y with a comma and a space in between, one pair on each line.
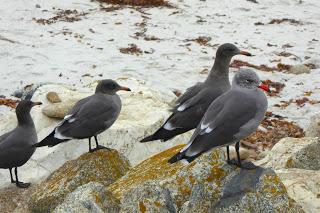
299, 69
53, 97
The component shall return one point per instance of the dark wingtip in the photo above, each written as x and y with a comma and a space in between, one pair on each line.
36, 145
176, 157
147, 139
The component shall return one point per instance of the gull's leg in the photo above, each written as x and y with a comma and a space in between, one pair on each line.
12, 180
18, 183
99, 146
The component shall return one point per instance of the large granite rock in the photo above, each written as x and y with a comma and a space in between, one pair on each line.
303, 186
89, 198
206, 185
297, 163
300, 153
102, 166
142, 113
313, 130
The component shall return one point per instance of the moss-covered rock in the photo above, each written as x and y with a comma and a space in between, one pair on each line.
102, 166
91, 197
206, 185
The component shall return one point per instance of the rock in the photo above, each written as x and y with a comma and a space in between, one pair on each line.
313, 130
26, 92
297, 163
299, 69
137, 120
91, 197
53, 97
11, 196
149, 197
102, 166
303, 186
300, 153
206, 185
58, 110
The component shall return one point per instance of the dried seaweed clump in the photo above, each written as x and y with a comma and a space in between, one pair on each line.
276, 129
201, 40
262, 67
62, 15
132, 50
144, 3
277, 87
9, 102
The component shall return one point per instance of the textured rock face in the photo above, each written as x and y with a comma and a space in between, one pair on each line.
296, 162
92, 197
303, 186
300, 153
299, 69
313, 129
101, 166
143, 111
149, 197
205, 185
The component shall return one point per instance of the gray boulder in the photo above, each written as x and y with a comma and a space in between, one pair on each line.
206, 185
91, 197
313, 130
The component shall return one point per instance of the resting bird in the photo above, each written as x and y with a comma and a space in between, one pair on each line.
16, 146
89, 117
192, 105
230, 118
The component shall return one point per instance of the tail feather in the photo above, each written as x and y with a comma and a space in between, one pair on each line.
182, 155
50, 141
164, 135
147, 139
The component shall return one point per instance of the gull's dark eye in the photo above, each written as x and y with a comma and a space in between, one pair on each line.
249, 80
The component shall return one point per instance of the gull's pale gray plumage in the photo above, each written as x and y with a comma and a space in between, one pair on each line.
230, 118
16, 146
192, 105
89, 117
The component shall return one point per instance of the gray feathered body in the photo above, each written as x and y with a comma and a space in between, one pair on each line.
230, 118
89, 117
16, 147
190, 109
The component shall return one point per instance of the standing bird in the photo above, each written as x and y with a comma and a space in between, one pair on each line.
16, 146
192, 105
230, 118
89, 117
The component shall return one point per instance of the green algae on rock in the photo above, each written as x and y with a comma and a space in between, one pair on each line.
102, 166
206, 185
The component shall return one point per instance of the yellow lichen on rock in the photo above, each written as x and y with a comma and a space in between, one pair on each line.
102, 166
208, 184
155, 167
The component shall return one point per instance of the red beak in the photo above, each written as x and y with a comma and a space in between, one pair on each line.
245, 53
264, 87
